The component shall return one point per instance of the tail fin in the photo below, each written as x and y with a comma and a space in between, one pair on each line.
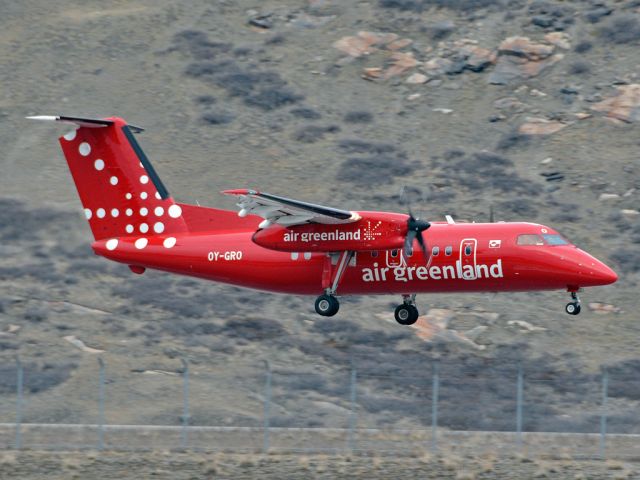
120, 191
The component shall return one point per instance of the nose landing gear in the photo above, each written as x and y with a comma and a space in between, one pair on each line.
573, 308
406, 313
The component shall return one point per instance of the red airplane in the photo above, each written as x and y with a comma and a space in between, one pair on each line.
288, 246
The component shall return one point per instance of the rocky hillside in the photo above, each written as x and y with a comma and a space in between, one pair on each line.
529, 107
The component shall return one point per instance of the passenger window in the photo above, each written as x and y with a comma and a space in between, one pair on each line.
530, 239
448, 250
374, 254
435, 251
394, 253
467, 250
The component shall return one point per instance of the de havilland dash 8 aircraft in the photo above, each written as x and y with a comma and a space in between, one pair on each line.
293, 247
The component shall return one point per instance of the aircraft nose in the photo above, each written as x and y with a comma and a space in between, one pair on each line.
595, 272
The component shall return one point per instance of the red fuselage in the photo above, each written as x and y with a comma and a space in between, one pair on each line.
463, 257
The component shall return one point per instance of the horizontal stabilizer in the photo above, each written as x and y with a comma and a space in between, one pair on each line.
82, 122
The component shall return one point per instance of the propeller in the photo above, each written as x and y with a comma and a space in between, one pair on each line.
415, 227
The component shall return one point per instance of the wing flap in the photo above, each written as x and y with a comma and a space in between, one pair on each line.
286, 211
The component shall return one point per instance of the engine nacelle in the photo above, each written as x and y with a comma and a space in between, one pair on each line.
373, 231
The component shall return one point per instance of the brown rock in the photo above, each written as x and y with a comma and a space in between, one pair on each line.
559, 39
400, 63
364, 43
478, 58
520, 58
540, 126
437, 66
525, 48
372, 73
398, 44
510, 68
623, 106
417, 78
603, 308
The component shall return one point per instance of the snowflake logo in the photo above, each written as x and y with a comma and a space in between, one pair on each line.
370, 232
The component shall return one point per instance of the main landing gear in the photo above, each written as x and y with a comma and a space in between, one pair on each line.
333, 270
327, 305
406, 313
573, 307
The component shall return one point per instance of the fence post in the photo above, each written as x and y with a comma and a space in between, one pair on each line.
519, 401
434, 406
185, 403
19, 387
603, 415
267, 405
101, 404
353, 416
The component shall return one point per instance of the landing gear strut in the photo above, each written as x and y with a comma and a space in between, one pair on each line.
334, 267
406, 313
573, 308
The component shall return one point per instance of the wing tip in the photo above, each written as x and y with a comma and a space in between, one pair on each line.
48, 118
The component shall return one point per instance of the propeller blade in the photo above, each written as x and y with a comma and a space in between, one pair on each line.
423, 245
408, 242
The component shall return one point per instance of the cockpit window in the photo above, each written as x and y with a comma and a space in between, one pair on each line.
554, 239
530, 239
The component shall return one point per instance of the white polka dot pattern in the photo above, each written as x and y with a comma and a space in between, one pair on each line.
84, 149
141, 243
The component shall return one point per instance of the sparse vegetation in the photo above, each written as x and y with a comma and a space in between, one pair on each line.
383, 163
421, 5
579, 68
513, 139
621, 29
306, 113
313, 133
358, 116
217, 118
583, 46
260, 89
628, 259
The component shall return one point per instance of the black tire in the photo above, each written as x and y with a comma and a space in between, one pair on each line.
327, 305
572, 308
406, 314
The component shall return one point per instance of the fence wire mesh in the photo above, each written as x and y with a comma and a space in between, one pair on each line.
441, 406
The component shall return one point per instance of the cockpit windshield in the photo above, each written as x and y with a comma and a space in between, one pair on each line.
551, 239
554, 239
530, 239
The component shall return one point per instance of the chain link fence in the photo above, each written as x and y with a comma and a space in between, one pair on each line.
261, 408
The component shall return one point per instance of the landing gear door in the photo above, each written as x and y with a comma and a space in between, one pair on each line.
467, 261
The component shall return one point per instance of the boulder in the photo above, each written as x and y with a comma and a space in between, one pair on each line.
400, 63
540, 126
364, 43
519, 58
417, 78
624, 105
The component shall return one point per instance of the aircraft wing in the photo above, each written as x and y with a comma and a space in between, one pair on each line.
287, 212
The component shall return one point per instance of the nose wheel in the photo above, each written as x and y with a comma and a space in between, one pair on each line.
406, 313
573, 307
